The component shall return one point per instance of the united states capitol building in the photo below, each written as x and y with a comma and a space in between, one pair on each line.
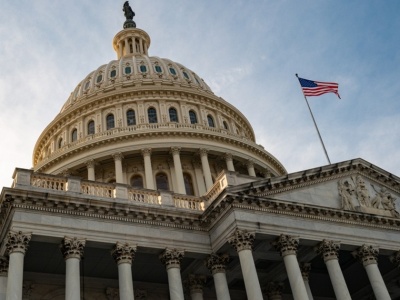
147, 185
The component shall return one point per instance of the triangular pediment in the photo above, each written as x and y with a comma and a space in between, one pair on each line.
354, 185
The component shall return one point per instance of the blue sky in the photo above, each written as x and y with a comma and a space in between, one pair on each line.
247, 51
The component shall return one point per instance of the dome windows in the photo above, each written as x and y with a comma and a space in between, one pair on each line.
60, 143
162, 182
143, 69
158, 69
185, 75
99, 78
137, 182
74, 135
173, 115
90, 127
130, 117
110, 122
210, 121
152, 115
225, 125
187, 179
87, 85
192, 117
172, 71
113, 73
128, 70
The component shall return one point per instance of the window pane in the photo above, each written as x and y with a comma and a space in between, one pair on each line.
137, 182
91, 127
162, 182
193, 117
130, 117
152, 114
210, 121
225, 125
60, 143
113, 73
143, 69
172, 70
186, 75
158, 69
128, 70
188, 184
173, 115
99, 78
74, 135
110, 121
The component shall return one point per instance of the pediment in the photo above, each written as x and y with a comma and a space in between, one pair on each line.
350, 186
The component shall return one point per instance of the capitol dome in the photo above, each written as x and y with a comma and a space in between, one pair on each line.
152, 123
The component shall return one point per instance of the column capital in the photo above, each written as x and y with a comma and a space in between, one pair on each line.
146, 151
274, 290
196, 283
328, 249
171, 258
367, 254
242, 240
175, 150
17, 241
72, 247
123, 253
203, 151
118, 156
286, 244
140, 294
112, 293
305, 269
3, 266
395, 258
228, 156
90, 163
216, 263
250, 163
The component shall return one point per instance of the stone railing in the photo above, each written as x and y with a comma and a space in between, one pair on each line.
73, 186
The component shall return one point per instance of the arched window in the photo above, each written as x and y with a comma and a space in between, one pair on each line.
152, 114
60, 143
131, 117
113, 73
74, 135
158, 69
137, 182
193, 117
173, 115
210, 121
162, 182
187, 179
143, 69
128, 70
225, 125
90, 127
110, 121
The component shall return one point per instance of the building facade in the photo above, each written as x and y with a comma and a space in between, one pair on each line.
147, 185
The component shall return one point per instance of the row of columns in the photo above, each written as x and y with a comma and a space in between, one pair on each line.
175, 151
242, 241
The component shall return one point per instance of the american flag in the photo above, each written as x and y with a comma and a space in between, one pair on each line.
317, 88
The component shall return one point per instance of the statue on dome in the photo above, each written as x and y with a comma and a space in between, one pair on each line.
129, 14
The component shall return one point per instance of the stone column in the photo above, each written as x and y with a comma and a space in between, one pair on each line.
171, 258
120, 49
148, 170
242, 241
196, 284
305, 269
206, 168
90, 164
274, 290
217, 265
119, 176
250, 168
127, 50
123, 255
72, 250
16, 246
368, 255
178, 169
287, 246
3, 277
329, 250
229, 162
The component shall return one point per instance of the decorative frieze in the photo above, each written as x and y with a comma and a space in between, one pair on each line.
171, 258
17, 241
3, 266
216, 263
367, 254
242, 240
72, 247
328, 249
123, 253
286, 244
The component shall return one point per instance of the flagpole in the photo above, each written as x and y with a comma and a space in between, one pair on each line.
315, 124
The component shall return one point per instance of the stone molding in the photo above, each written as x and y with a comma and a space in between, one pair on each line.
72, 247
196, 283
242, 240
328, 249
18, 241
305, 269
286, 244
4, 265
123, 253
274, 290
216, 263
171, 258
367, 254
